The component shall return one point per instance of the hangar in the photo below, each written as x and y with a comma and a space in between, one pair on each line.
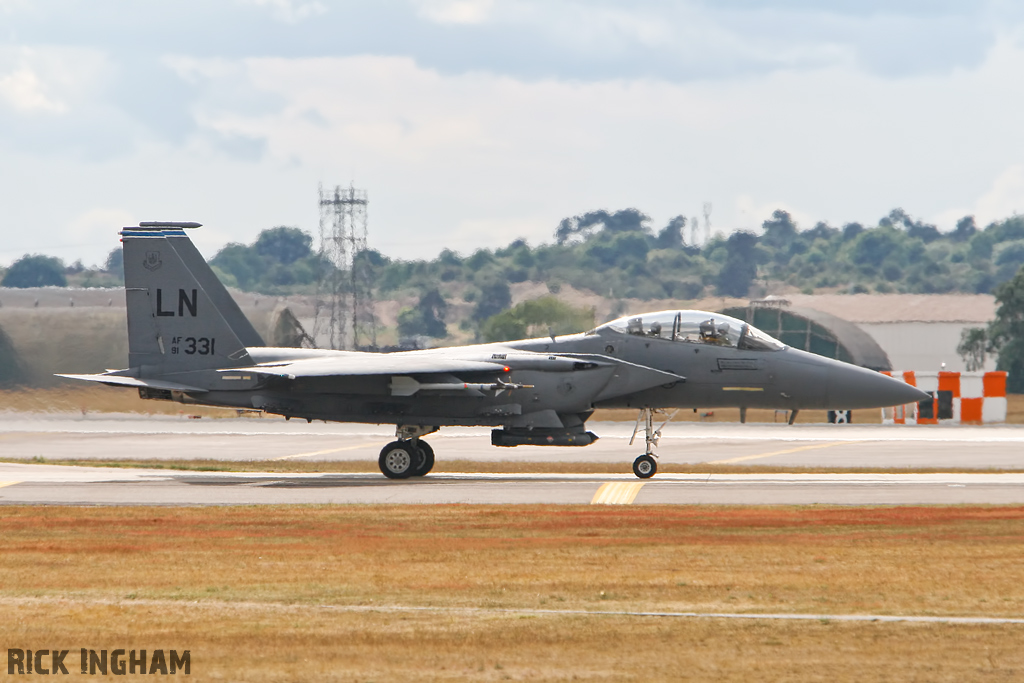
815, 331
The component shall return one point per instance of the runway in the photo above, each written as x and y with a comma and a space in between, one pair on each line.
156, 438
46, 484
805, 445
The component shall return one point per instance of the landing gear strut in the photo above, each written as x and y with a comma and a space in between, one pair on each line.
409, 456
646, 466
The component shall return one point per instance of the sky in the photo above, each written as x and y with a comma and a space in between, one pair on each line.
472, 123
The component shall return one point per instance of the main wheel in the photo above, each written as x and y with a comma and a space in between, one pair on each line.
398, 459
645, 467
425, 462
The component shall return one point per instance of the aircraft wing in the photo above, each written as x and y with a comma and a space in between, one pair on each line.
371, 364
433, 361
629, 377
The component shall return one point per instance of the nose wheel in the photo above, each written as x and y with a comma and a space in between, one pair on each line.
646, 466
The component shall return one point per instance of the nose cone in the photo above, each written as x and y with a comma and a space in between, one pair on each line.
852, 387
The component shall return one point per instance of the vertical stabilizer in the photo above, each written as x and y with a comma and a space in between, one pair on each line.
180, 316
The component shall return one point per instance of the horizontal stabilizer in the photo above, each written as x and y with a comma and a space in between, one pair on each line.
121, 381
170, 224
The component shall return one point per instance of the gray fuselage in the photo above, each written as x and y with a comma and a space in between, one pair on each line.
714, 376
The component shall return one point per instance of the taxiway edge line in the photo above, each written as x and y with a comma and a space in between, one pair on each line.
324, 452
745, 458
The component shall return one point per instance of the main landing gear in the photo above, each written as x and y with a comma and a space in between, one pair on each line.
409, 456
646, 466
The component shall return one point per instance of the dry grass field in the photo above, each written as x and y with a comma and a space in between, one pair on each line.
80, 397
303, 593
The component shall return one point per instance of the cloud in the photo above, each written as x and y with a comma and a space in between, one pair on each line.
1004, 198
241, 147
570, 39
472, 123
25, 91
748, 215
95, 226
455, 11
290, 11
49, 79
55, 100
685, 41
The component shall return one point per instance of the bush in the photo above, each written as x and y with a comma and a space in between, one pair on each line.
282, 244
740, 267
494, 298
426, 319
534, 318
35, 271
1006, 332
280, 257
115, 263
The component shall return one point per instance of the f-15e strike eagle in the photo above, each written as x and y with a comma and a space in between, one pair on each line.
188, 341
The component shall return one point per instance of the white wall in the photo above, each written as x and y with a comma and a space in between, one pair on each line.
922, 346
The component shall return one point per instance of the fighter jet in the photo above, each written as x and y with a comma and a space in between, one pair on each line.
188, 341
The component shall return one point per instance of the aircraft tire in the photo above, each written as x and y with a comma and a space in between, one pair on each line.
397, 460
645, 467
426, 461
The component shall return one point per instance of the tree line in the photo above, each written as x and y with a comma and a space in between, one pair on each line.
620, 255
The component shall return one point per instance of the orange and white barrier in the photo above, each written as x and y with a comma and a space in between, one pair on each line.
958, 397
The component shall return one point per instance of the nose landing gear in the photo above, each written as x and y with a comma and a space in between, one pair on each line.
646, 466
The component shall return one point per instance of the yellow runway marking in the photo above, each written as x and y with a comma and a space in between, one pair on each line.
744, 458
618, 493
8, 483
329, 450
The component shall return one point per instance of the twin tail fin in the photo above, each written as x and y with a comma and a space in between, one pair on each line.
180, 316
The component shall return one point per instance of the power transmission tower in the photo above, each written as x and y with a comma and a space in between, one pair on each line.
694, 228
344, 301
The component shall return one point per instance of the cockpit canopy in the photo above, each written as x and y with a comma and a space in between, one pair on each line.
695, 327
